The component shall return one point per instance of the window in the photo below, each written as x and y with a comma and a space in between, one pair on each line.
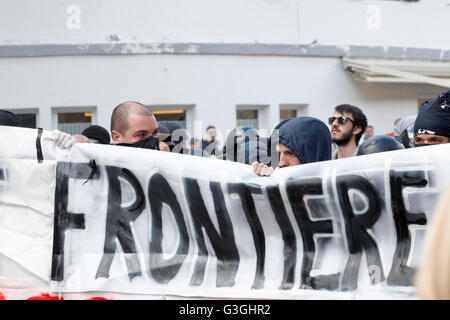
73, 120
28, 117
177, 116
287, 114
28, 120
289, 111
247, 118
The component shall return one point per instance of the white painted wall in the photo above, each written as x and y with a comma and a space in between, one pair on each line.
214, 84
422, 24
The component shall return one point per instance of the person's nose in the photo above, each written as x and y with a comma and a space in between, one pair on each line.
283, 162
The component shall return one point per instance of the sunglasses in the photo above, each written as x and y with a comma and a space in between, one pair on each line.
341, 120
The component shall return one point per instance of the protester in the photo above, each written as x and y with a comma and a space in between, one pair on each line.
404, 131
302, 140
348, 124
97, 134
272, 142
209, 143
432, 125
244, 145
432, 280
134, 125
377, 144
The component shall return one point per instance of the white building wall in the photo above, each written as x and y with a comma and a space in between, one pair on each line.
328, 22
215, 85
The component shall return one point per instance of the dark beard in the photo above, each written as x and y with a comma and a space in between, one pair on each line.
344, 140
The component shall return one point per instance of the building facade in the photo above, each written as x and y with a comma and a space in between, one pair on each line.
67, 64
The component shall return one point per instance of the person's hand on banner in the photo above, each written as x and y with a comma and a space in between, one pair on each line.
63, 140
262, 169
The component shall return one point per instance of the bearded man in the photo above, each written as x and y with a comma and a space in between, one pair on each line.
348, 124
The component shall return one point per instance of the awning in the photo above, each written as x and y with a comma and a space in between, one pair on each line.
399, 71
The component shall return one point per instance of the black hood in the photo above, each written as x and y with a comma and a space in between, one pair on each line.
308, 138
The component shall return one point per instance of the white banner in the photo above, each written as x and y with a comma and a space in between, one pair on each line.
127, 221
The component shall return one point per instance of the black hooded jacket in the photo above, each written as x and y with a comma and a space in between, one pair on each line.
308, 138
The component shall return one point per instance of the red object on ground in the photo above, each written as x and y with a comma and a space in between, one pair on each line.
45, 296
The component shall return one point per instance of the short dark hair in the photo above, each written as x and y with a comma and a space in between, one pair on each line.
119, 117
359, 117
210, 127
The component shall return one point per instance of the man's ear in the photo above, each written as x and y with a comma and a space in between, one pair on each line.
116, 136
356, 130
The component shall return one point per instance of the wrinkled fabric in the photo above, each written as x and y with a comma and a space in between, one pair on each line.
434, 117
402, 124
308, 138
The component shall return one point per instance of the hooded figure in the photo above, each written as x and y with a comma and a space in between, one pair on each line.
433, 120
245, 146
97, 133
272, 142
403, 131
308, 138
402, 124
7, 118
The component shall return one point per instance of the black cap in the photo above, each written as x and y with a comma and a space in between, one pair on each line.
98, 133
7, 118
377, 144
434, 117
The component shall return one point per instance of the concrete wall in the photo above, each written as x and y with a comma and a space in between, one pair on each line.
214, 85
326, 22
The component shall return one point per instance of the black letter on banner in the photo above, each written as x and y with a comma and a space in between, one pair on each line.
297, 190
2, 174
63, 219
118, 222
245, 192
163, 270
401, 274
288, 234
356, 225
224, 244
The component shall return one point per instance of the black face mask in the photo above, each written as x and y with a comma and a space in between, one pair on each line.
147, 143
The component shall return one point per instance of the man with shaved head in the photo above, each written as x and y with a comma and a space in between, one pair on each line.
134, 125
